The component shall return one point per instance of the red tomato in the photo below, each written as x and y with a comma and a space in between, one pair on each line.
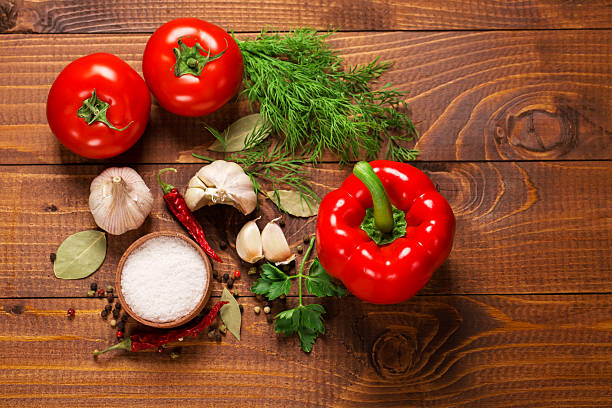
192, 67
117, 97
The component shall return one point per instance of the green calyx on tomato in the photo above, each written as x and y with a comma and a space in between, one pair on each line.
94, 110
192, 60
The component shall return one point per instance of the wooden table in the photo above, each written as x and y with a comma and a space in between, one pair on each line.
514, 106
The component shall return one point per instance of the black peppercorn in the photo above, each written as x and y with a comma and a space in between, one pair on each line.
217, 337
225, 277
118, 305
108, 308
299, 249
223, 245
120, 325
124, 317
110, 298
269, 318
52, 256
307, 239
230, 283
215, 273
104, 313
281, 223
93, 286
115, 313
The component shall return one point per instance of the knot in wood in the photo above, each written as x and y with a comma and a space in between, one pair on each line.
393, 354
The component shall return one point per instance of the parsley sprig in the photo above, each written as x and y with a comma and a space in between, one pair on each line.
305, 320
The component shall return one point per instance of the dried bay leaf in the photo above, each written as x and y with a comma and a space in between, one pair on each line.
80, 255
230, 313
294, 203
247, 131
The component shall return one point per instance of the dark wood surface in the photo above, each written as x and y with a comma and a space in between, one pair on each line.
513, 103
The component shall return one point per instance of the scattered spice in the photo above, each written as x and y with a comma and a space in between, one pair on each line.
217, 337
109, 289
93, 286
124, 317
104, 314
211, 334
110, 298
299, 249
119, 334
176, 203
174, 354
115, 313
143, 341
108, 308
120, 325
269, 318
160, 349
223, 245
70, 312
281, 223
51, 208
52, 256
225, 277
267, 310
235, 293
236, 274
91, 293
118, 305
101, 293
306, 239
257, 309
230, 283
252, 270
113, 323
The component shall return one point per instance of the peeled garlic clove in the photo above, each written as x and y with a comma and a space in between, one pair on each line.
119, 200
221, 182
248, 243
275, 246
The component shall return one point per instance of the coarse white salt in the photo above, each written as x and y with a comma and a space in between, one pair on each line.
164, 279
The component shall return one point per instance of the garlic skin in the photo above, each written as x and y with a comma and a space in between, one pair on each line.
248, 243
221, 182
275, 246
119, 200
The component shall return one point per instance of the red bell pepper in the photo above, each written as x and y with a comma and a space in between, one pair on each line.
401, 209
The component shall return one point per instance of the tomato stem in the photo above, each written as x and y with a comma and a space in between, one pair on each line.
94, 110
383, 213
192, 60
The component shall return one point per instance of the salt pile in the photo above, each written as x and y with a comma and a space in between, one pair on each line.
164, 279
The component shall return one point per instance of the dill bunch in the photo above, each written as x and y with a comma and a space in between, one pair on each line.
306, 96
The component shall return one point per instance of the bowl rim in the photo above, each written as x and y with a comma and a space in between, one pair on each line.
207, 288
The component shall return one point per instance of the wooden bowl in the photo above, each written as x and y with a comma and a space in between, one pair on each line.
207, 287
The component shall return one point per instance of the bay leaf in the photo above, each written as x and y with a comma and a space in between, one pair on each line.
230, 313
294, 203
245, 132
80, 255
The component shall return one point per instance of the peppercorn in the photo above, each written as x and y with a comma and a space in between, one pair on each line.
104, 314
118, 305
70, 312
267, 310
119, 334
241, 308
269, 318
115, 313
230, 283
124, 317
306, 239
257, 309
176, 353
217, 337
120, 325
108, 308
215, 273
281, 223
211, 334
52, 257
109, 289
101, 293
225, 277
113, 323
252, 270
235, 293
91, 293
93, 286
223, 245
299, 249
110, 298
236, 274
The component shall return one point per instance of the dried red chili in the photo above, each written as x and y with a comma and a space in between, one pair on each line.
178, 206
145, 341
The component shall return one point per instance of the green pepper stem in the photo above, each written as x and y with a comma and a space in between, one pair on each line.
383, 214
125, 344
165, 186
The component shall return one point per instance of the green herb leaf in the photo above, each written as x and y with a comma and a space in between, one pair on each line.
230, 313
319, 283
80, 255
272, 283
244, 133
294, 203
306, 321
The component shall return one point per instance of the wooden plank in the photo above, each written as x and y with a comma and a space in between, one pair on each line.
541, 95
439, 351
145, 16
523, 227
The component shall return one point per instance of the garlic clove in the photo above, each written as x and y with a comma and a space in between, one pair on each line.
119, 200
274, 244
221, 182
248, 243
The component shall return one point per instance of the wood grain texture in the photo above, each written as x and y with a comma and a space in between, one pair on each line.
434, 351
71, 16
523, 227
535, 95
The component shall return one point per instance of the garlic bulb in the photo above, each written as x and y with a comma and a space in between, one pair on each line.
221, 182
248, 243
119, 200
275, 246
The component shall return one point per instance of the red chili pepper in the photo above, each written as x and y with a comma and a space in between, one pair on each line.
178, 206
145, 341
419, 231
